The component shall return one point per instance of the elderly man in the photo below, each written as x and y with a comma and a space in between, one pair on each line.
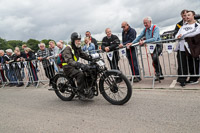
151, 34
93, 40
61, 46
128, 35
8, 68
109, 43
43, 54
11, 68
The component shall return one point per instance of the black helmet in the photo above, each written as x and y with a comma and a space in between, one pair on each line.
75, 36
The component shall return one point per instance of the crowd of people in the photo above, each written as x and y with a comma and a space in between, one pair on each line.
188, 27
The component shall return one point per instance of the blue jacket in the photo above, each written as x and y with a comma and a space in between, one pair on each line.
129, 36
90, 49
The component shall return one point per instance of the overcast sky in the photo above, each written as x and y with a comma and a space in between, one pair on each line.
57, 19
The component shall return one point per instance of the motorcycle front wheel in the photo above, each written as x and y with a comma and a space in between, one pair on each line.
61, 88
115, 87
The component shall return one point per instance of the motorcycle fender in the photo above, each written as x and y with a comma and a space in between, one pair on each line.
114, 72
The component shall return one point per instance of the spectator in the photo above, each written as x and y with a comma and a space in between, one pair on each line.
61, 46
11, 69
109, 43
19, 66
62, 42
24, 46
30, 56
151, 34
43, 54
190, 29
3, 59
182, 22
54, 49
93, 40
88, 47
128, 35
17, 48
23, 56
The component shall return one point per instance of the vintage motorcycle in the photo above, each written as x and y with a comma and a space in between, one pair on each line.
113, 85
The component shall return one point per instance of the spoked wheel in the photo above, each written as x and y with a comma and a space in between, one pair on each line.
116, 88
61, 88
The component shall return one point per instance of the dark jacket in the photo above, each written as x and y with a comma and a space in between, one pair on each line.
11, 62
194, 45
129, 36
68, 56
3, 60
30, 56
112, 43
178, 26
22, 55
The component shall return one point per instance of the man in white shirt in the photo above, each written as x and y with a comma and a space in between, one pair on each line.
188, 30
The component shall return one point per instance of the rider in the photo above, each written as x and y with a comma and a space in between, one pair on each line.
70, 64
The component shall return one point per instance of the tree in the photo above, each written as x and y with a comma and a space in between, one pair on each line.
3, 44
33, 44
46, 42
14, 43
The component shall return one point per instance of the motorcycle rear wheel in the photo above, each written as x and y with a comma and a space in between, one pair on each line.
61, 88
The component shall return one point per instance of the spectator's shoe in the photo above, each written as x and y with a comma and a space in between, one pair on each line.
182, 84
160, 78
7, 84
28, 84
20, 84
136, 79
11, 85
35, 84
192, 82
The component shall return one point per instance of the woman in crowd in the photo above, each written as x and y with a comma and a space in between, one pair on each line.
31, 66
19, 66
88, 47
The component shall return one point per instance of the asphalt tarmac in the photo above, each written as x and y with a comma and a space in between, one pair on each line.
37, 110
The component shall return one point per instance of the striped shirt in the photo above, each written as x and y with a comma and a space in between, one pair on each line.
44, 54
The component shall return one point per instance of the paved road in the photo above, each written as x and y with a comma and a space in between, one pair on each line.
149, 111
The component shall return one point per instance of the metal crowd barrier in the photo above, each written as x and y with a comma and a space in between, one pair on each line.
27, 73
33, 72
167, 63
